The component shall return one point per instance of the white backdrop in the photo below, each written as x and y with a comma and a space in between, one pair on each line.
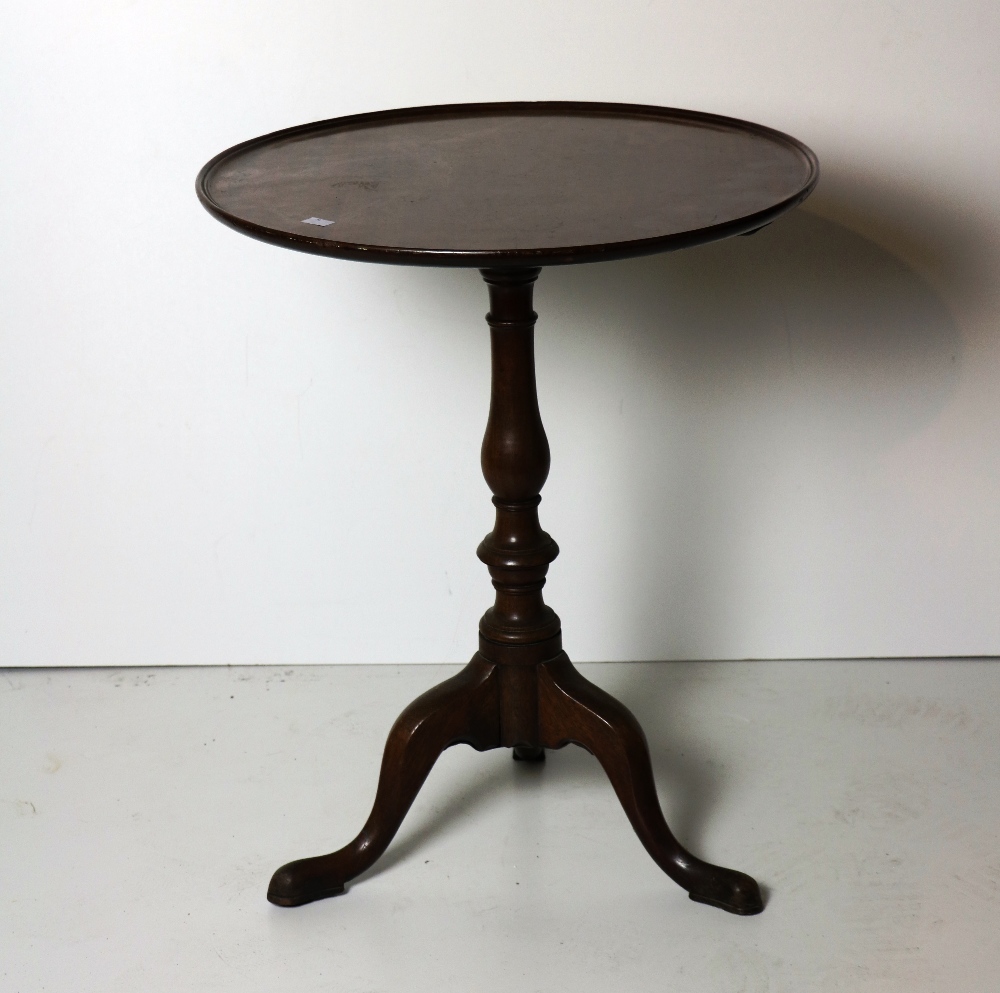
215, 451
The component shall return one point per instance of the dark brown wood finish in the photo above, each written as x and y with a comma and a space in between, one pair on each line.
511, 184
508, 188
461, 709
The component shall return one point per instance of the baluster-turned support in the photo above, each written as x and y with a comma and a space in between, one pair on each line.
519, 628
519, 631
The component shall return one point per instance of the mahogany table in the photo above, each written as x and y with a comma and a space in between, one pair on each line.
509, 188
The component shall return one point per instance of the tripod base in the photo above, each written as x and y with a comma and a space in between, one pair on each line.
489, 705
520, 690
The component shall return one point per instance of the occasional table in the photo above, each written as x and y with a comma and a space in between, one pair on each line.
508, 188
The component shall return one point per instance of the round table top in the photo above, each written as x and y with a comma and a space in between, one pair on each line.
508, 184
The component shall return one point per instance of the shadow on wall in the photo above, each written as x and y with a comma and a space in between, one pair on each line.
712, 411
745, 371
809, 349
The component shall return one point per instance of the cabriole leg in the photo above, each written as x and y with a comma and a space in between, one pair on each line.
461, 709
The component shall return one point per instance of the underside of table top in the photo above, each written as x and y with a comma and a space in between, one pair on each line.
511, 184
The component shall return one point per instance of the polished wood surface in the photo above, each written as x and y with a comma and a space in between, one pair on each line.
508, 184
509, 188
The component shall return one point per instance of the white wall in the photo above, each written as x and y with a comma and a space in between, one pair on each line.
214, 451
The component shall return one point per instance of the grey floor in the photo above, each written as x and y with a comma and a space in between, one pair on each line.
142, 812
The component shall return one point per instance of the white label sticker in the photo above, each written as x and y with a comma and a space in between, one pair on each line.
318, 221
